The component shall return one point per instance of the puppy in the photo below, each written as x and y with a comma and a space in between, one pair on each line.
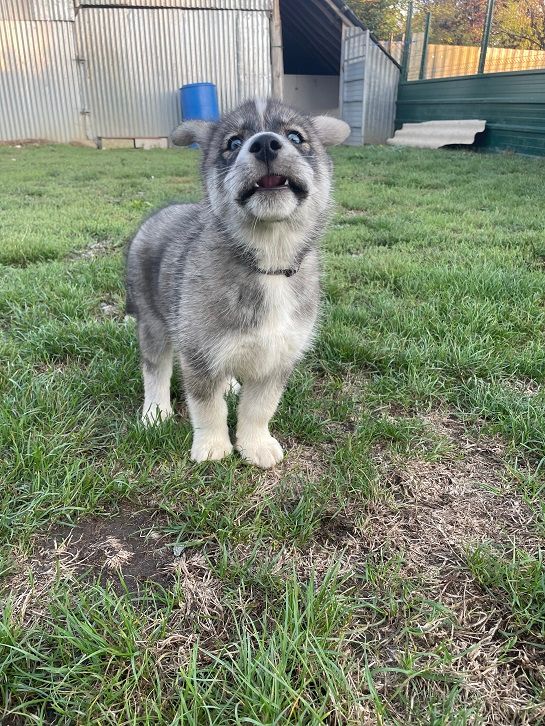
230, 286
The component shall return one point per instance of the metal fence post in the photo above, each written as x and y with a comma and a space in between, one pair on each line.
424, 56
407, 43
486, 35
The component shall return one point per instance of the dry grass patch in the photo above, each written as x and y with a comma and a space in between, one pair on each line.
95, 249
446, 632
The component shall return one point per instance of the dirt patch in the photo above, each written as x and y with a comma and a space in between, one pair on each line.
126, 547
525, 386
124, 550
112, 309
93, 250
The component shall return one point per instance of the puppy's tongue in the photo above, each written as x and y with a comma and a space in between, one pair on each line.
271, 181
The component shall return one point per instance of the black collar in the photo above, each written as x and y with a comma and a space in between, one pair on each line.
289, 272
249, 259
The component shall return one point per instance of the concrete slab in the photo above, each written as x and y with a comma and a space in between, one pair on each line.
117, 143
151, 143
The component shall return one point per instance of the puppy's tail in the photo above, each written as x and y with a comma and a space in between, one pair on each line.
130, 305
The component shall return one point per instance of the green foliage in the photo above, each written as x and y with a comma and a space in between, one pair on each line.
519, 24
516, 23
383, 17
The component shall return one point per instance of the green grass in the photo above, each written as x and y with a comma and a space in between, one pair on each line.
301, 595
517, 577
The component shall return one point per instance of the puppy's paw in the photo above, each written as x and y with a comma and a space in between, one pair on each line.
154, 414
208, 447
263, 451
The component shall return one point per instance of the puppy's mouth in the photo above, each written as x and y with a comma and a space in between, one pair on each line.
273, 183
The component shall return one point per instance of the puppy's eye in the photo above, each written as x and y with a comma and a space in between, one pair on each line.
234, 143
295, 137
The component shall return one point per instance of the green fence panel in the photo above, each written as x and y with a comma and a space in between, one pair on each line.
513, 105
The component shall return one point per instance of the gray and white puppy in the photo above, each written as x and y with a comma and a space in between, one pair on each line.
230, 286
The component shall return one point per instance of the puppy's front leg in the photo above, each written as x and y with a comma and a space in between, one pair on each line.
258, 402
208, 413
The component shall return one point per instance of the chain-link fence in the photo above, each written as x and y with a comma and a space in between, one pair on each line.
449, 38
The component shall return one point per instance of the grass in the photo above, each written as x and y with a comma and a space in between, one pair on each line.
389, 571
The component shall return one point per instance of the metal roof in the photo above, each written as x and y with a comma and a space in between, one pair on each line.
312, 35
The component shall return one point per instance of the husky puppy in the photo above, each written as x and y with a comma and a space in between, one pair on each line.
230, 286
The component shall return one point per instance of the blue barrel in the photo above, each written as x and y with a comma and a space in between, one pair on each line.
199, 101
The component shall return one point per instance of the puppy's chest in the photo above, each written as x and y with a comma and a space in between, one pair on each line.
282, 331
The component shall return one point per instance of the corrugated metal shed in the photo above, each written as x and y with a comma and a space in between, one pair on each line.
82, 69
39, 90
137, 57
369, 82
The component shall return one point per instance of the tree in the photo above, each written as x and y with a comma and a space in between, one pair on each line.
384, 18
520, 24
454, 22
516, 23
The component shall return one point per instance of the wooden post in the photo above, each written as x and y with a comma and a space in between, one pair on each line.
277, 52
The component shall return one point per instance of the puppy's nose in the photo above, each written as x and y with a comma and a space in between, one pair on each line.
266, 147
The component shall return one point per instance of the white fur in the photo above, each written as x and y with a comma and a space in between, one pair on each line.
255, 358
331, 130
279, 342
210, 433
157, 391
275, 245
261, 107
258, 402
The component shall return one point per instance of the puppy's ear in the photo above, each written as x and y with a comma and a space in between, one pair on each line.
192, 132
330, 130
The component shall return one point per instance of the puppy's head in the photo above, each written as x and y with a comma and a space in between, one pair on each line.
264, 161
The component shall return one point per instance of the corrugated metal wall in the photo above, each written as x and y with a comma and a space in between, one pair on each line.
369, 82
112, 70
136, 58
36, 10
352, 87
39, 89
115, 71
381, 82
199, 4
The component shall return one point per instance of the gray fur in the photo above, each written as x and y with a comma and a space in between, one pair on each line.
196, 282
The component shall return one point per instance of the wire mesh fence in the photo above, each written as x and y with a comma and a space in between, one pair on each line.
449, 38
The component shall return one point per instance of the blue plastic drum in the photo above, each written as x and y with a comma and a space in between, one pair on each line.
199, 101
